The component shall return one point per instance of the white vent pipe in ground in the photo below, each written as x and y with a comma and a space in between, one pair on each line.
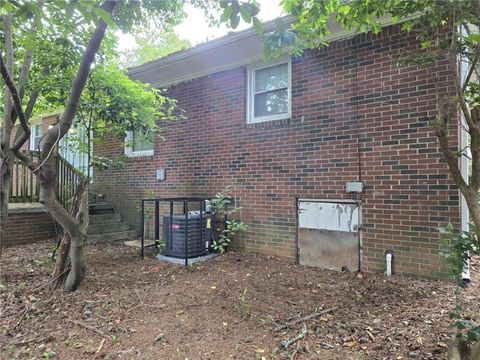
388, 261
466, 271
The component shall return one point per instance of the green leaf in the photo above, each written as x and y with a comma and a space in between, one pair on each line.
224, 3
280, 25
227, 12
234, 20
105, 16
70, 9
426, 44
289, 38
254, 9
6, 6
245, 13
474, 38
258, 26
267, 51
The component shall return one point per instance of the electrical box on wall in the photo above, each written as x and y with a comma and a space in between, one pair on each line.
161, 174
354, 187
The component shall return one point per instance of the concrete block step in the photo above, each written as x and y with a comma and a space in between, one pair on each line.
101, 208
104, 218
112, 236
107, 227
138, 243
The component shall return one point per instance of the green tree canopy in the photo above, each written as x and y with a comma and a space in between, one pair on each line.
151, 45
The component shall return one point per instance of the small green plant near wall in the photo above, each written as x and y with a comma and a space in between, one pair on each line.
219, 207
459, 245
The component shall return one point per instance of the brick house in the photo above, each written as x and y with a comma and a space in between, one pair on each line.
288, 135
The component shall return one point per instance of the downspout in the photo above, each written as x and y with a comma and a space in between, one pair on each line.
464, 213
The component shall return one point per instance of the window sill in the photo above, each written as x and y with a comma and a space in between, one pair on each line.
269, 124
140, 155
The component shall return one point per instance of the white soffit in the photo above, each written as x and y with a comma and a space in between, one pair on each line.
228, 52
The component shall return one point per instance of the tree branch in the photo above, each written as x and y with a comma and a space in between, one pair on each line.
59, 130
473, 66
34, 95
475, 150
19, 138
7, 106
442, 135
27, 61
452, 57
452, 159
17, 104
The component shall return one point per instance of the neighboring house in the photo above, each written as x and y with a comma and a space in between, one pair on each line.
294, 137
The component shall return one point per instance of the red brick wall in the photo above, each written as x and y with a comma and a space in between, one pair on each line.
408, 190
27, 228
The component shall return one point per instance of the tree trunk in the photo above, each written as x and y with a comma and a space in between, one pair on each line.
70, 225
6, 161
460, 351
6, 157
475, 353
60, 270
46, 171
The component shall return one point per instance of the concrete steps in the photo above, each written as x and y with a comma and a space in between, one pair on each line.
106, 225
105, 218
101, 208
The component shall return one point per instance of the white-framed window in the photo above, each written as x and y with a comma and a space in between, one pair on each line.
269, 91
36, 133
138, 143
73, 147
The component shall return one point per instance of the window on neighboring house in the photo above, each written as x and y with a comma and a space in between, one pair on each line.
269, 91
36, 134
138, 143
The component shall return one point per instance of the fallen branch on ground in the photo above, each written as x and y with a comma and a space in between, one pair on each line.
295, 352
306, 318
36, 340
47, 282
302, 335
100, 346
9, 331
90, 327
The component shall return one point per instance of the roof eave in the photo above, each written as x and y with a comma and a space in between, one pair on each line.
216, 55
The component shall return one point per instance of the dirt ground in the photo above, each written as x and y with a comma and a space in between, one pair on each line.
226, 308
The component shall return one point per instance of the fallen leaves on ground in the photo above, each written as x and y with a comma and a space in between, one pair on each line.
225, 308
